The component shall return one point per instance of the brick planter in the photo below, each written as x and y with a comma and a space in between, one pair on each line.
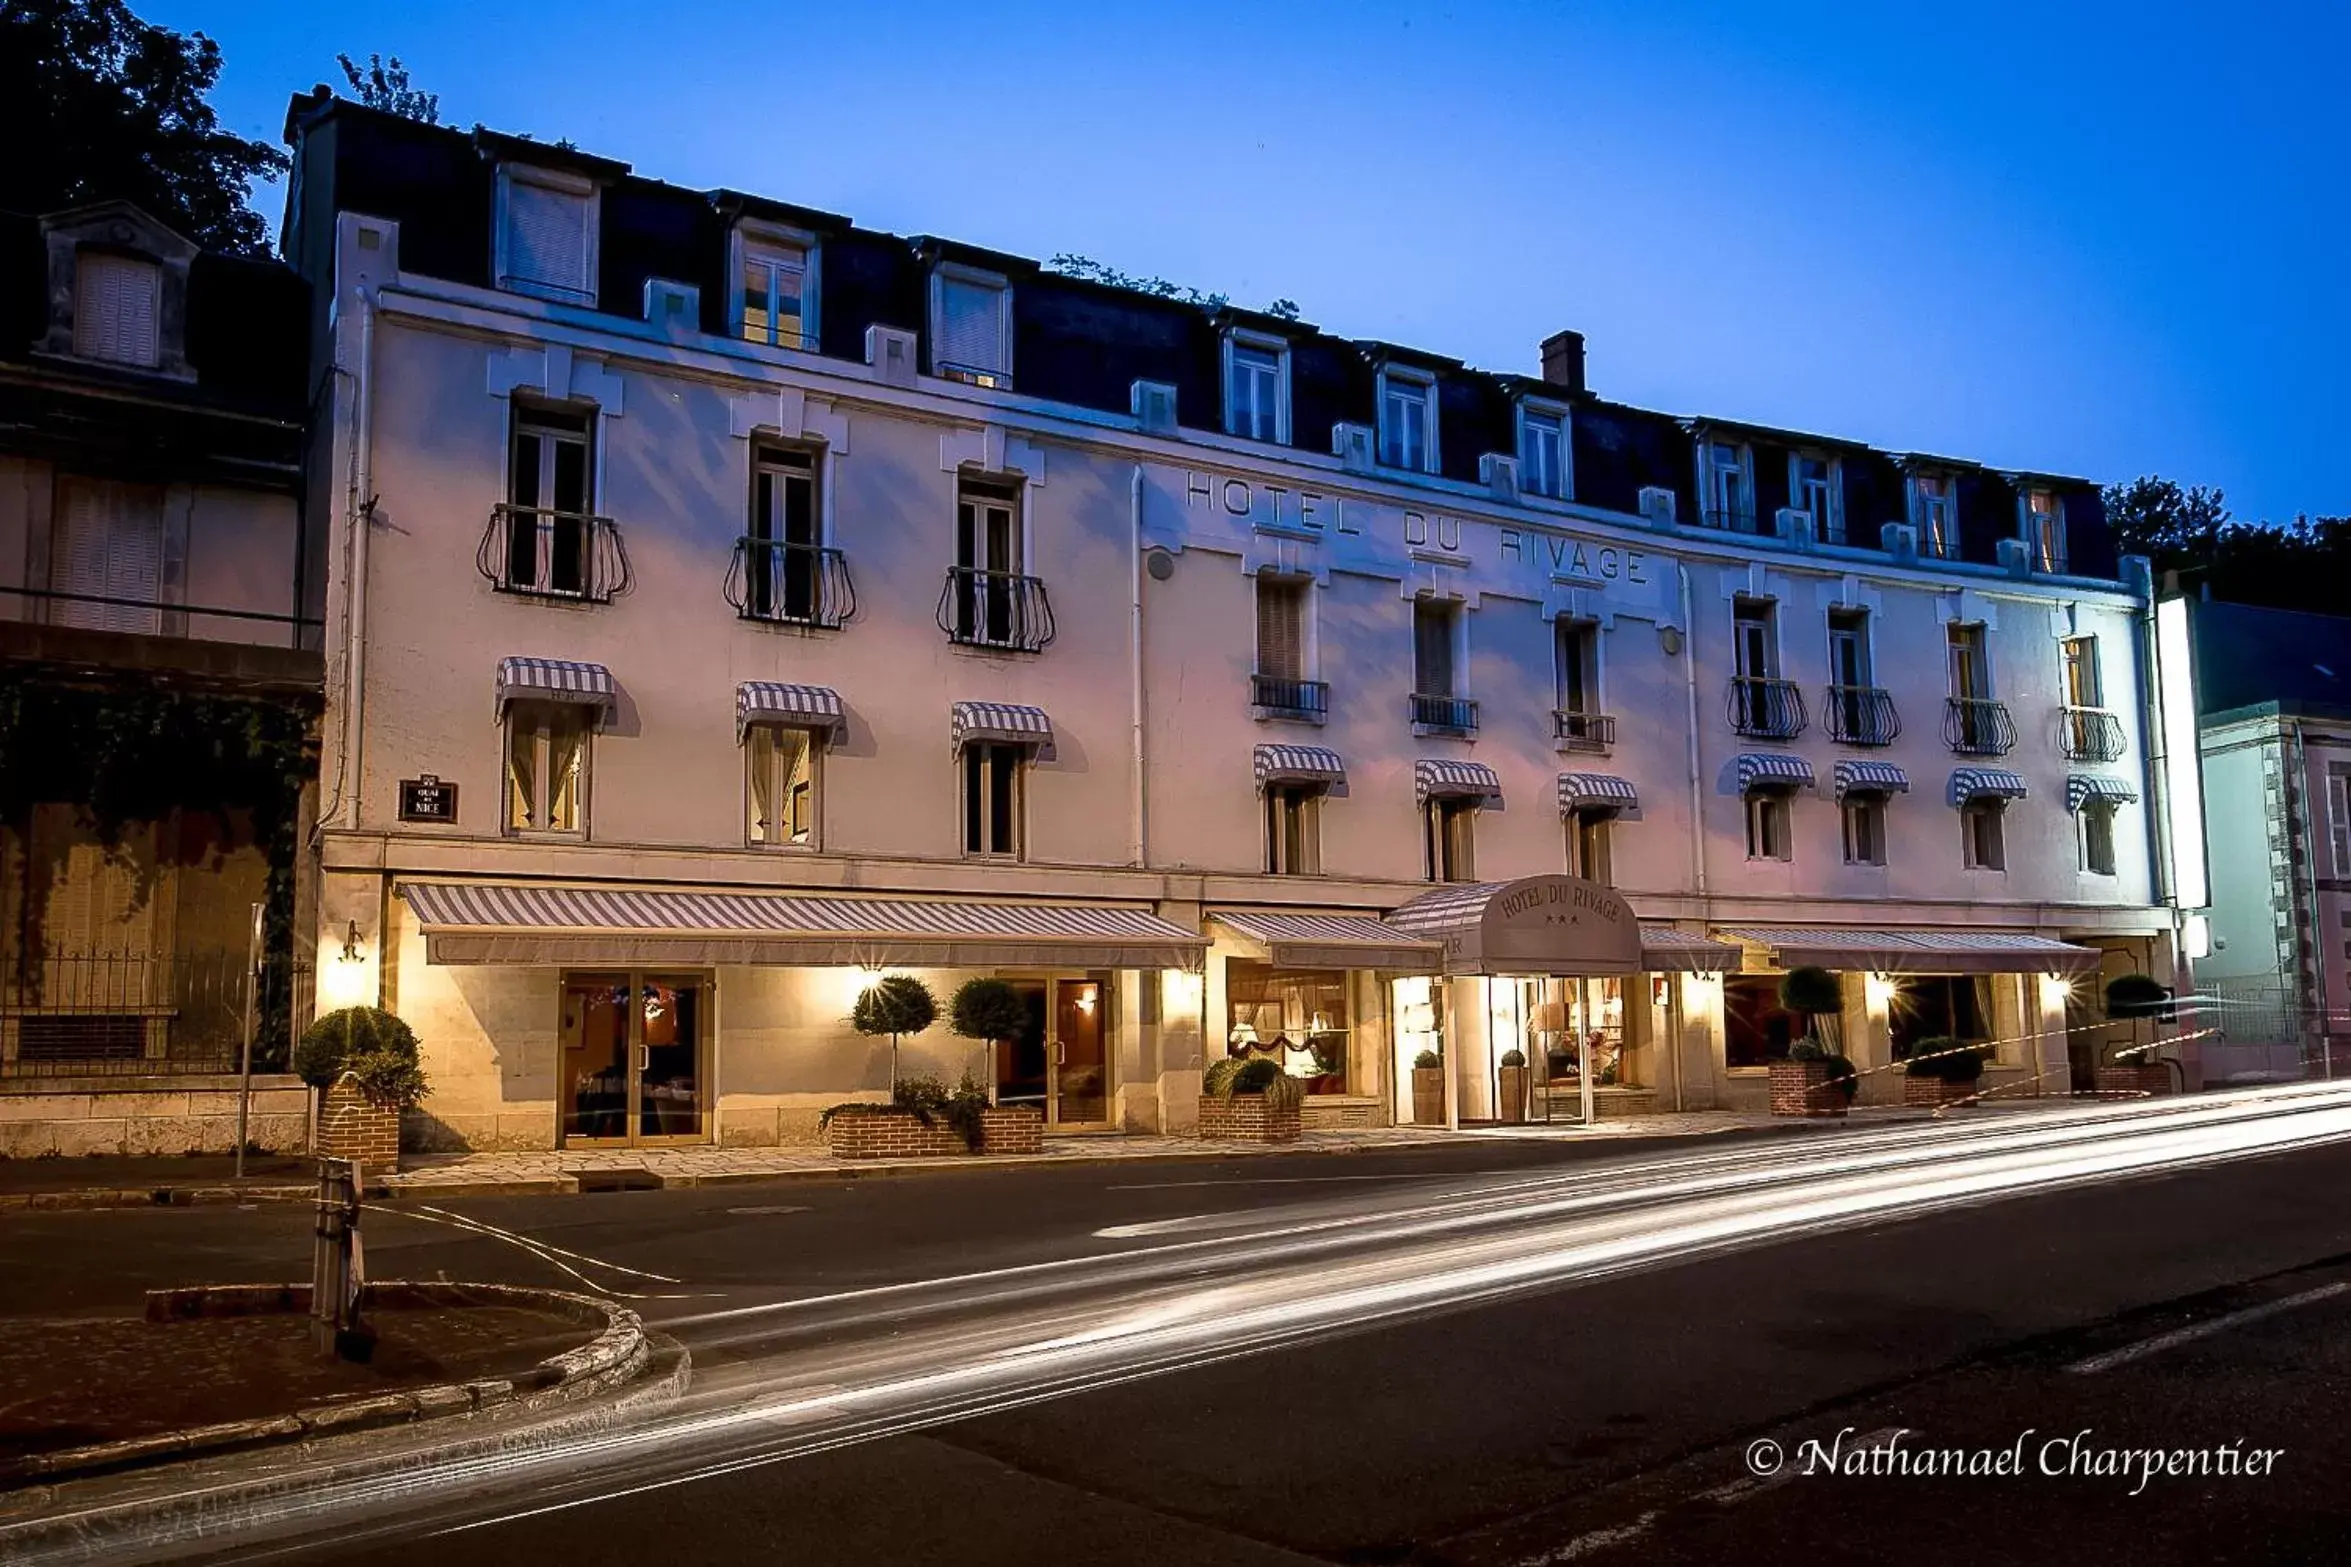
2141, 1078
1802, 1088
1428, 1096
1935, 1091
349, 1127
1246, 1118
1513, 1108
885, 1133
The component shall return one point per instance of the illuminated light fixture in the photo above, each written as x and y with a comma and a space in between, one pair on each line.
351, 952
1878, 989
1086, 1001
2183, 770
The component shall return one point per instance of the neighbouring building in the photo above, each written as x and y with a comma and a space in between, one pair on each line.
730, 603
159, 685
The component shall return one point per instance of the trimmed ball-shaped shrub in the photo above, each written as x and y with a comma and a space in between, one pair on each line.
1844, 1077
1217, 1081
1257, 1075
1940, 1056
376, 1048
1427, 1061
1811, 990
894, 1004
2135, 996
989, 1009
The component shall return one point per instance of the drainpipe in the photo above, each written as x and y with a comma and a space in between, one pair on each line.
358, 503
2301, 814
1137, 845
1690, 691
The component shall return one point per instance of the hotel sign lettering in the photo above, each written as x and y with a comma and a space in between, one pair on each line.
1559, 925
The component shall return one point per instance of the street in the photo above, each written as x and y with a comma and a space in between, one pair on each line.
1504, 1423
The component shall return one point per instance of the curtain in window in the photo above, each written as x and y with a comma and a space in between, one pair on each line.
547, 238
1280, 629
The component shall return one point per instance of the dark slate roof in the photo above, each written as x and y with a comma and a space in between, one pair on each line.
2284, 659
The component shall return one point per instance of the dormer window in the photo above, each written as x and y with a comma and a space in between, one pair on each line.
1257, 387
1408, 420
1934, 512
775, 270
546, 234
2043, 521
117, 309
1542, 449
1813, 488
971, 326
1727, 489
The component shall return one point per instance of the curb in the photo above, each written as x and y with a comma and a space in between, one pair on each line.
616, 1354
76, 1198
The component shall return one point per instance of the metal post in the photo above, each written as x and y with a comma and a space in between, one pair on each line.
245, 1061
336, 1269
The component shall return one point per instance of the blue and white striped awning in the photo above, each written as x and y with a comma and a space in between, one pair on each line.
1772, 770
1436, 778
1986, 783
556, 680
505, 922
1004, 721
2098, 786
1869, 778
798, 707
1596, 792
1313, 764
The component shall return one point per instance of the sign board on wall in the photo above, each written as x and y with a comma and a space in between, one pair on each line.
427, 799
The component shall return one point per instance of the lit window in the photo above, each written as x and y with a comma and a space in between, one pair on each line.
971, 327
776, 303
1588, 845
1257, 388
1768, 834
1934, 513
1980, 824
991, 799
546, 767
780, 785
1865, 829
2044, 529
1293, 829
1408, 421
117, 304
1450, 833
1542, 452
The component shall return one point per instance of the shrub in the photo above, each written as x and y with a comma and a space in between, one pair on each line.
1940, 1056
1514, 1058
988, 1009
1844, 1077
1811, 990
2135, 996
1256, 1075
1427, 1061
1217, 1081
376, 1048
1808, 1049
894, 1004
929, 1101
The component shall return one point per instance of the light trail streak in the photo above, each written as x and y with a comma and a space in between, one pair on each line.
842, 1367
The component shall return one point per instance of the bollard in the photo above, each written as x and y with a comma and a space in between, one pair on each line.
338, 1265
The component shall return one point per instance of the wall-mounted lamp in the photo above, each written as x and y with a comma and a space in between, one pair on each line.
351, 952
1670, 639
1878, 988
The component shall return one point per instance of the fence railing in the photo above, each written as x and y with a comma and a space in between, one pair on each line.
1580, 731
1978, 726
2089, 734
1863, 715
1450, 714
1291, 698
544, 553
155, 615
999, 609
132, 1014
1766, 709
790, 584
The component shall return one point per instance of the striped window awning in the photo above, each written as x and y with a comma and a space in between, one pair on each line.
505, 922
1918, 951
1001, 721
1772, 770
1341, 941
1312, 764
1441, 779
1665, 950
2083, 787
556, 680
799, 707
1869, 778
1596, 792
1986, 783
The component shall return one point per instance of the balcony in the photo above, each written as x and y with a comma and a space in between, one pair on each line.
1766, 709
1279, 696
1576, 731
1728, 519
995, 609
1862, 715
542, 553
1978, 726
2090, 734
1444, 715
785, 584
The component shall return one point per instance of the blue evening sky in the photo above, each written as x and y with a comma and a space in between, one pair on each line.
2097, 239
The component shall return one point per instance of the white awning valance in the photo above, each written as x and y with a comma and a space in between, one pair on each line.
2083, 787
1341, 941
1772, 770
1442, 779
1986, 783
1858, 777
1298, 764
1665, 950
555, 680
1005, 722
772, 702
1596, 792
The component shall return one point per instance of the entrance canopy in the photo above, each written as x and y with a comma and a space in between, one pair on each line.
504, 922
1345, 941
1920, 951
1536, 925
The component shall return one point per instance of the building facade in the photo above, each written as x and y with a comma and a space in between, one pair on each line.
729, 603
159, 684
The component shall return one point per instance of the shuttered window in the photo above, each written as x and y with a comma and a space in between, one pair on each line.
117, 300
1432, 648
107, 544
544, 241
1281, 628
967, 336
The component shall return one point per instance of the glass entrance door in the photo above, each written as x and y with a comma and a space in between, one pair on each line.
1081, 1063
631, 1059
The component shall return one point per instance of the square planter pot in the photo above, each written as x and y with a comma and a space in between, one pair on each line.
887, 1133
1802, 1088
1428, 1096
1513, 1108
1246, 1118
1935, 1091
2137, 1078
350, 1127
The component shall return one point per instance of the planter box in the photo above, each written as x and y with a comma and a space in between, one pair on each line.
1513, 1108
886, 1133
349, 1127
1428, 1096
2142, 1078
1246, 1118
1802, 1088
1935, 1091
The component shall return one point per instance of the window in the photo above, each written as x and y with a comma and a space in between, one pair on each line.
550, 496
1298, 1017
971, 327
1934, 513
2082, 686
2097, 829
1257, 387
783, 569
780, 792
117, 309
990, 608
1293, 829
991, 798
1768, 830
546, 768
1450, 828
547, 235
1408, 421
106, 556
1971, 670
1813, 487
778, 301
1755, 642
1865, 829
2044, 529
1725, 493
1849, 648
1939, 1006
1588, 845
1576, 657
2339, 817
1542, 451
1756, 1029
1433, 622
1281, 627
1980, 823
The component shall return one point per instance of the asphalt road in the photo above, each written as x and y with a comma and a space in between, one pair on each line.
1607, 1419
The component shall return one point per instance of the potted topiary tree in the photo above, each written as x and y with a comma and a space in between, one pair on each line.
1428, 1089
1513, 1085
1940, 1070
1816, 994
2130, 1066
363, 1062
895, 1004
1257, 1102
990, 1012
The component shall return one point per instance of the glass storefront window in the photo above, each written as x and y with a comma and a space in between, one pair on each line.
1299, 1017
1756, 1029
1930, 1006
1556, 1013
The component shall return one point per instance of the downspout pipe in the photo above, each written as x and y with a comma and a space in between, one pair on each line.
1690, 733
1138, 845
358, 502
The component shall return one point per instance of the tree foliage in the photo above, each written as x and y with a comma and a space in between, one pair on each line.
384, 85
376, 1048
894, 1004
988, 1009
2304, 564
1070, 264
97, 105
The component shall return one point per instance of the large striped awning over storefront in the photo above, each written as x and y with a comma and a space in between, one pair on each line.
801, 707
1342, 941
1918, 951
1436, 778
506, 922
555, 680
1771, 770
1665, 950
1008, 722
1311, 764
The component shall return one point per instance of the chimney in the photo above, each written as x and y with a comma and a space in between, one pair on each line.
1563, 360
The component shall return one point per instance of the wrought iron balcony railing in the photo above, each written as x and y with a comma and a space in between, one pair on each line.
554, 554
790, 584
1288, 698
1456, 715
1978, 726
1730, 519
997, 609
1583, 731
1862, 715
2090, 734
1766, 709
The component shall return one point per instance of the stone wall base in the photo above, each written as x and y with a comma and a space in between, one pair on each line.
150, 1116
